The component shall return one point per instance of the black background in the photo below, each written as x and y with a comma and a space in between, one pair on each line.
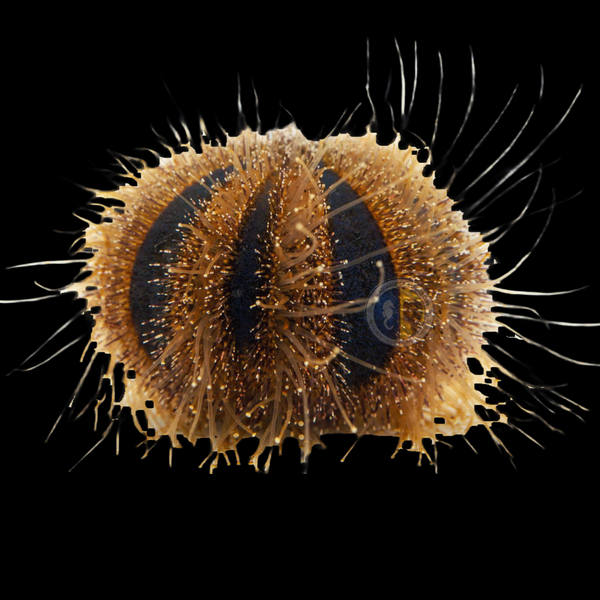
87, 93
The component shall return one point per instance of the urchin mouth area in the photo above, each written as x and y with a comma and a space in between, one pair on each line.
294, 295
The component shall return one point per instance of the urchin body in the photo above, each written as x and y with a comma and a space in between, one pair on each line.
244, 317
252, 318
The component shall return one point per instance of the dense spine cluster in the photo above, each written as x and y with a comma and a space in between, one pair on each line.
244, 311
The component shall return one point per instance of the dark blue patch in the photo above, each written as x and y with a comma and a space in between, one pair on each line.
355, 232
246, 284
148, 291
